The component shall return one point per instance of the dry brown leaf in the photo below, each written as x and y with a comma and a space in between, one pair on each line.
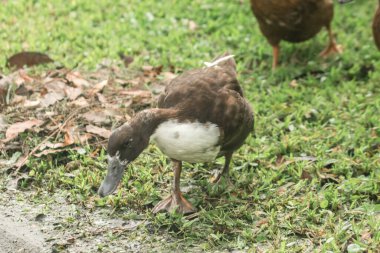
23, 77
98, 87
77, 79
51, 98
31, 104
151, 71
17, 100
102, 99
15, 129
105, 133
97, 117
72, 93
168, 76
137, 93
49, 151
50, 145
262, 222
22, 59
71, 135
80, 102
54, 84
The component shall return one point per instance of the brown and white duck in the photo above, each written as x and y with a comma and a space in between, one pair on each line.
295, 21
201, 115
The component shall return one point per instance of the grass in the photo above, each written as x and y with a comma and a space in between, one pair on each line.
310, 179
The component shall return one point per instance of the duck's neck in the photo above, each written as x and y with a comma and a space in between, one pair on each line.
148, 120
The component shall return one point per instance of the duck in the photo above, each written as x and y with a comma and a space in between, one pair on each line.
376, 27
201, 115
295, 21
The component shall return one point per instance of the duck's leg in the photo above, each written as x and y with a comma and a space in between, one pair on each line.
226, 169
276, 54
175, 201
332, 47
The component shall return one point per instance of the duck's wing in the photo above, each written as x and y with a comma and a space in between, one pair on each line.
200, 82
212, 95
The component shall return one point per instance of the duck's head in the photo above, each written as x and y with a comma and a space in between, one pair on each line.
125, 144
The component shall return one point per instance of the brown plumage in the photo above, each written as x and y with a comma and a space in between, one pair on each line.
202, 115
294, 21
376, 27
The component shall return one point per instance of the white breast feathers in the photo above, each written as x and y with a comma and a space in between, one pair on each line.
190, 142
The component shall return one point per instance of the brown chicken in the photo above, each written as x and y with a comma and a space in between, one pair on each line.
294, 21
376, 27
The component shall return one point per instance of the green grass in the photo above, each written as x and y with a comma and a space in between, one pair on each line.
332, 115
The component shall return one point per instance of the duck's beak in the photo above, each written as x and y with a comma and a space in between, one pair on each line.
114, 174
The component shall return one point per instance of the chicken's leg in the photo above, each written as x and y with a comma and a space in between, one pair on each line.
332, 47
276, 53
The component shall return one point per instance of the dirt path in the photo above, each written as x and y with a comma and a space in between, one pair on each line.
18, 234
56, 226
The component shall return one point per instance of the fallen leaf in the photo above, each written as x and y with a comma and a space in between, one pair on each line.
168, 76
17, 100
15, 129
51, 98
76, 79
97, 117
56, 86
98, 87
80, 102
70, 136
262, 222
49, 151
101, 98
72, 93
105, 133
22, 59
50, 145
31, 104
137, 93
151, 71
23, 77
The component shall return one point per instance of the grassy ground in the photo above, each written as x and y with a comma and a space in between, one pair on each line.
308, 181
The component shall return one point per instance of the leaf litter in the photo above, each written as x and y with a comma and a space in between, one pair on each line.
67, 109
